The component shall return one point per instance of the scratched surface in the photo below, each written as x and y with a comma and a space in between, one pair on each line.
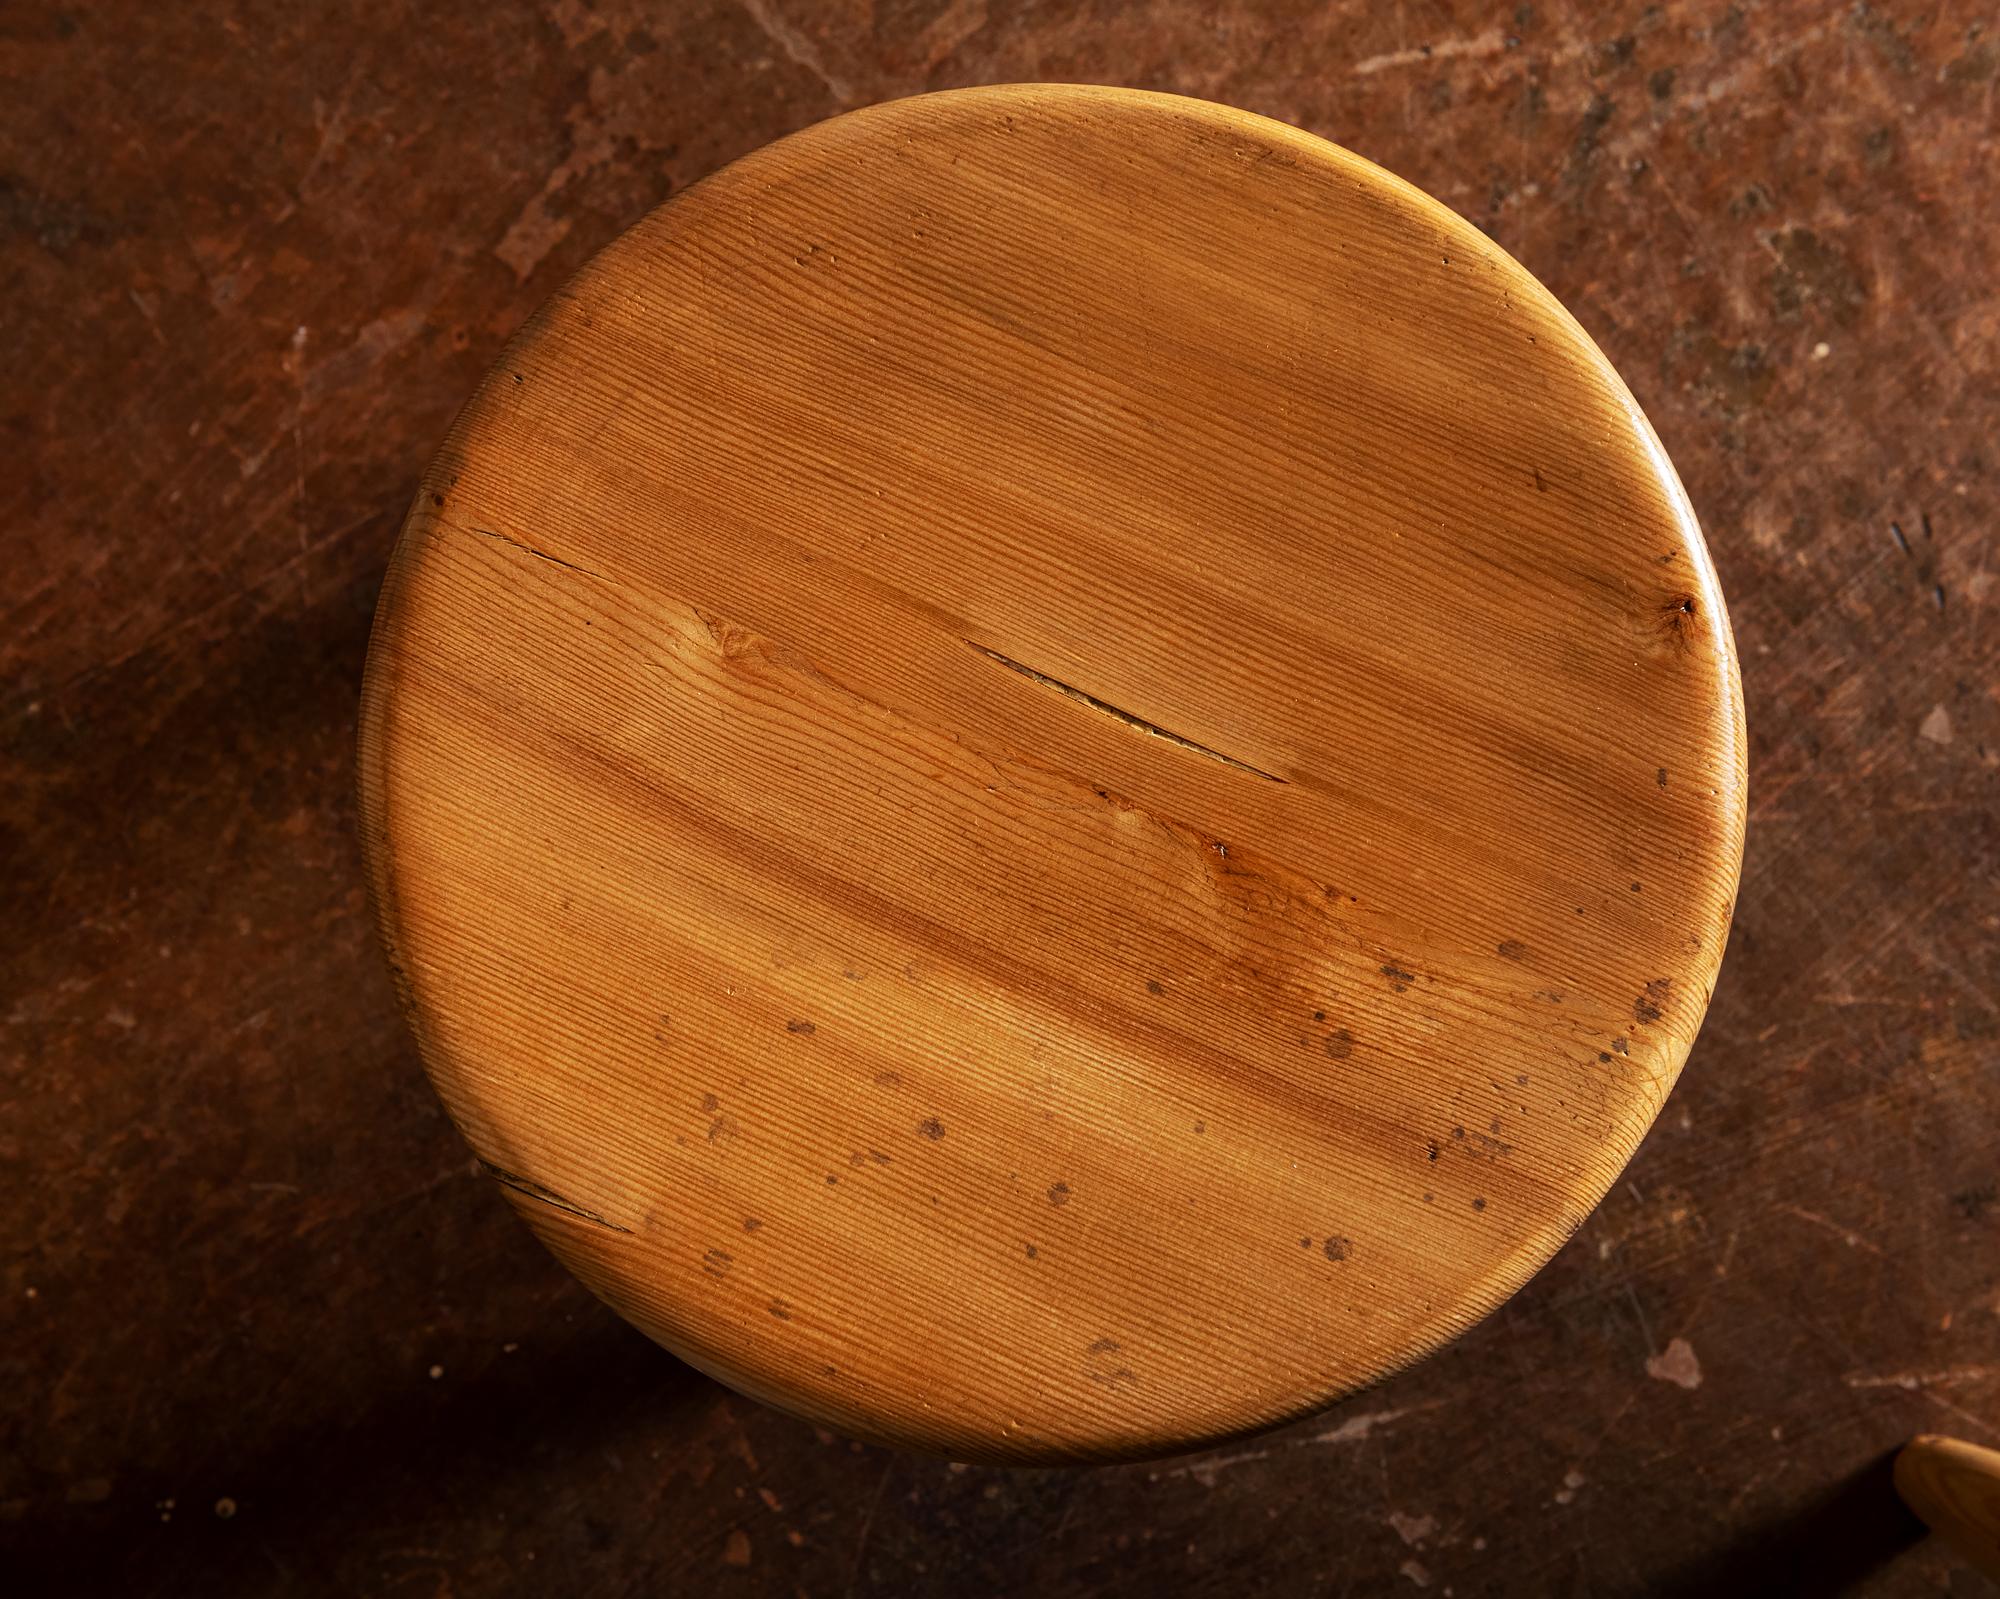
263, 1329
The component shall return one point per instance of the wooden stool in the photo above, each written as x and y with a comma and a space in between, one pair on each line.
1052, 773
1954, 1487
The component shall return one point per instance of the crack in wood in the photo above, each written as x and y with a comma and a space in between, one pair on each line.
1137, 723
529, 549
548, 1196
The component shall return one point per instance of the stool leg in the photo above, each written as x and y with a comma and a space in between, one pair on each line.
1955, 1487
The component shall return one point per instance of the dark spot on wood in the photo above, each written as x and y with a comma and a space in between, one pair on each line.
436, 498
1305, 1243
831, 1179
1635, 888
931, 1128
1483, 1146
710, 1103
781, 1310
1677, 620
1319, 1015
1336, 1248
1622, 1046
1339, 1044
717, 1262
878, 1157
1513, 949
1059, 1194
1153, 986
1479, 1204
751, 1224
1974, 1203
1097, 1371
1430, 1149
1399, 979
1811, 278
804, 1029
1584, 147
888, 1079
1661, 777
1604, 1057
1201, 1127
1033, 1252
1646, 1008
722, 1127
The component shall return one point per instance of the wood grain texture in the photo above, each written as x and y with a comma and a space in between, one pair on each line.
1955, 1487
1052, 773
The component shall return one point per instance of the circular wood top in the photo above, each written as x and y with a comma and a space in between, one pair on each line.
1053, 772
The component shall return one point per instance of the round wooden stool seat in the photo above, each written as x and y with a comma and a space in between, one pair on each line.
1052, 772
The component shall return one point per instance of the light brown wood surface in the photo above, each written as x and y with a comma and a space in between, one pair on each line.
1053, 772
1955, 1487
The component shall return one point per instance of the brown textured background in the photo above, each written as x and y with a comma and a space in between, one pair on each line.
254, 256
